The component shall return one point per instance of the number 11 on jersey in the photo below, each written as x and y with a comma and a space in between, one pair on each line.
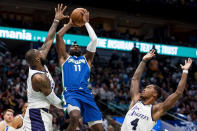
77, 67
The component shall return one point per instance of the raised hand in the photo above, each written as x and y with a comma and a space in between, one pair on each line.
59, 12
149, 55
85, 14
187, 65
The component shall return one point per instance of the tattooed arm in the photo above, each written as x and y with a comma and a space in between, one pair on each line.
40, 82
51, 34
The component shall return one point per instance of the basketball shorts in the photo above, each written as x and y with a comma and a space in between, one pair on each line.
83, 101
37, 119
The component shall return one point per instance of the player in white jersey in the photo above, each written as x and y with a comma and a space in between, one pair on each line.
17, 122
142, 114
6, 124
40, 84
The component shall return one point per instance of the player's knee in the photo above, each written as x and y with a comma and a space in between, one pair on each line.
96, 126
74, 116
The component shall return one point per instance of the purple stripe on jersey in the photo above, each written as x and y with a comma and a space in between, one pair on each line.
37, 123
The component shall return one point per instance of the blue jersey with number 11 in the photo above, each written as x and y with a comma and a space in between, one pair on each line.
75, 73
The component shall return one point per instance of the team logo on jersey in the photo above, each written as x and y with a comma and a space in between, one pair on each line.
76, 61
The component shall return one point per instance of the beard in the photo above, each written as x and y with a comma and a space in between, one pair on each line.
43, 61
75, 53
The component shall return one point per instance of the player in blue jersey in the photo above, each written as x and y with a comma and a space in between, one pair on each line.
78, 99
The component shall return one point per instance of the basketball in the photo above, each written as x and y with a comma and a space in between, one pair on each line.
77, 17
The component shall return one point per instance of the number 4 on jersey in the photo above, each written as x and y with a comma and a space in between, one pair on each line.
134, 123
77, 67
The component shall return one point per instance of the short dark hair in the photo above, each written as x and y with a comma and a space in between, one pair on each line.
30, 56
8, 110
158, 90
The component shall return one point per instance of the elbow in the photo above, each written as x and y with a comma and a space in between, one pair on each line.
134, 78
58, 36
179, 94
95, 39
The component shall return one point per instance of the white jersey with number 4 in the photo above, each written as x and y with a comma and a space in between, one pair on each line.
138, 118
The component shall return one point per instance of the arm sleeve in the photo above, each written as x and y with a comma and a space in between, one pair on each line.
54, 100
92, 45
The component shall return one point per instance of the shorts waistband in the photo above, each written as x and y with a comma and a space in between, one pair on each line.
45, 109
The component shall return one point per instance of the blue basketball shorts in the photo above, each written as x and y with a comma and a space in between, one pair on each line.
85, 102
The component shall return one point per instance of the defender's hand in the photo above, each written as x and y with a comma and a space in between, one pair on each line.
59, 12
187, 65
149, 55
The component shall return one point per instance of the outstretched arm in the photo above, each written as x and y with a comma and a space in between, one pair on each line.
135, 80
40, 82
60, 44
51, 34
161, 108
91, 48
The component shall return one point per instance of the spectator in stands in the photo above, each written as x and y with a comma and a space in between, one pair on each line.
6, 124
135, 56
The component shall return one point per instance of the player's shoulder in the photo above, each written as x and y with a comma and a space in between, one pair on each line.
39, 77
156, 107
134, 102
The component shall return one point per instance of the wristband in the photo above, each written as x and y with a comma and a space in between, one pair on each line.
55, 20
185, 71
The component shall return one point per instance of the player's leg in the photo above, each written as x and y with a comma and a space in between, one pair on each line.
75, 115
72, 106
33, 120
96, 127
47, 119
92, 115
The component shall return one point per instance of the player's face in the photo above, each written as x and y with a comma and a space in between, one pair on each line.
8, 117
39, 58
75, 50
148, 91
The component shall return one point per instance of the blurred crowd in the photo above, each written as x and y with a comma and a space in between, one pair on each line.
110, 83
176, 3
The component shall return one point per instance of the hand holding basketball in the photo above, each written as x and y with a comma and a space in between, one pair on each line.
79, 17
86, 15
